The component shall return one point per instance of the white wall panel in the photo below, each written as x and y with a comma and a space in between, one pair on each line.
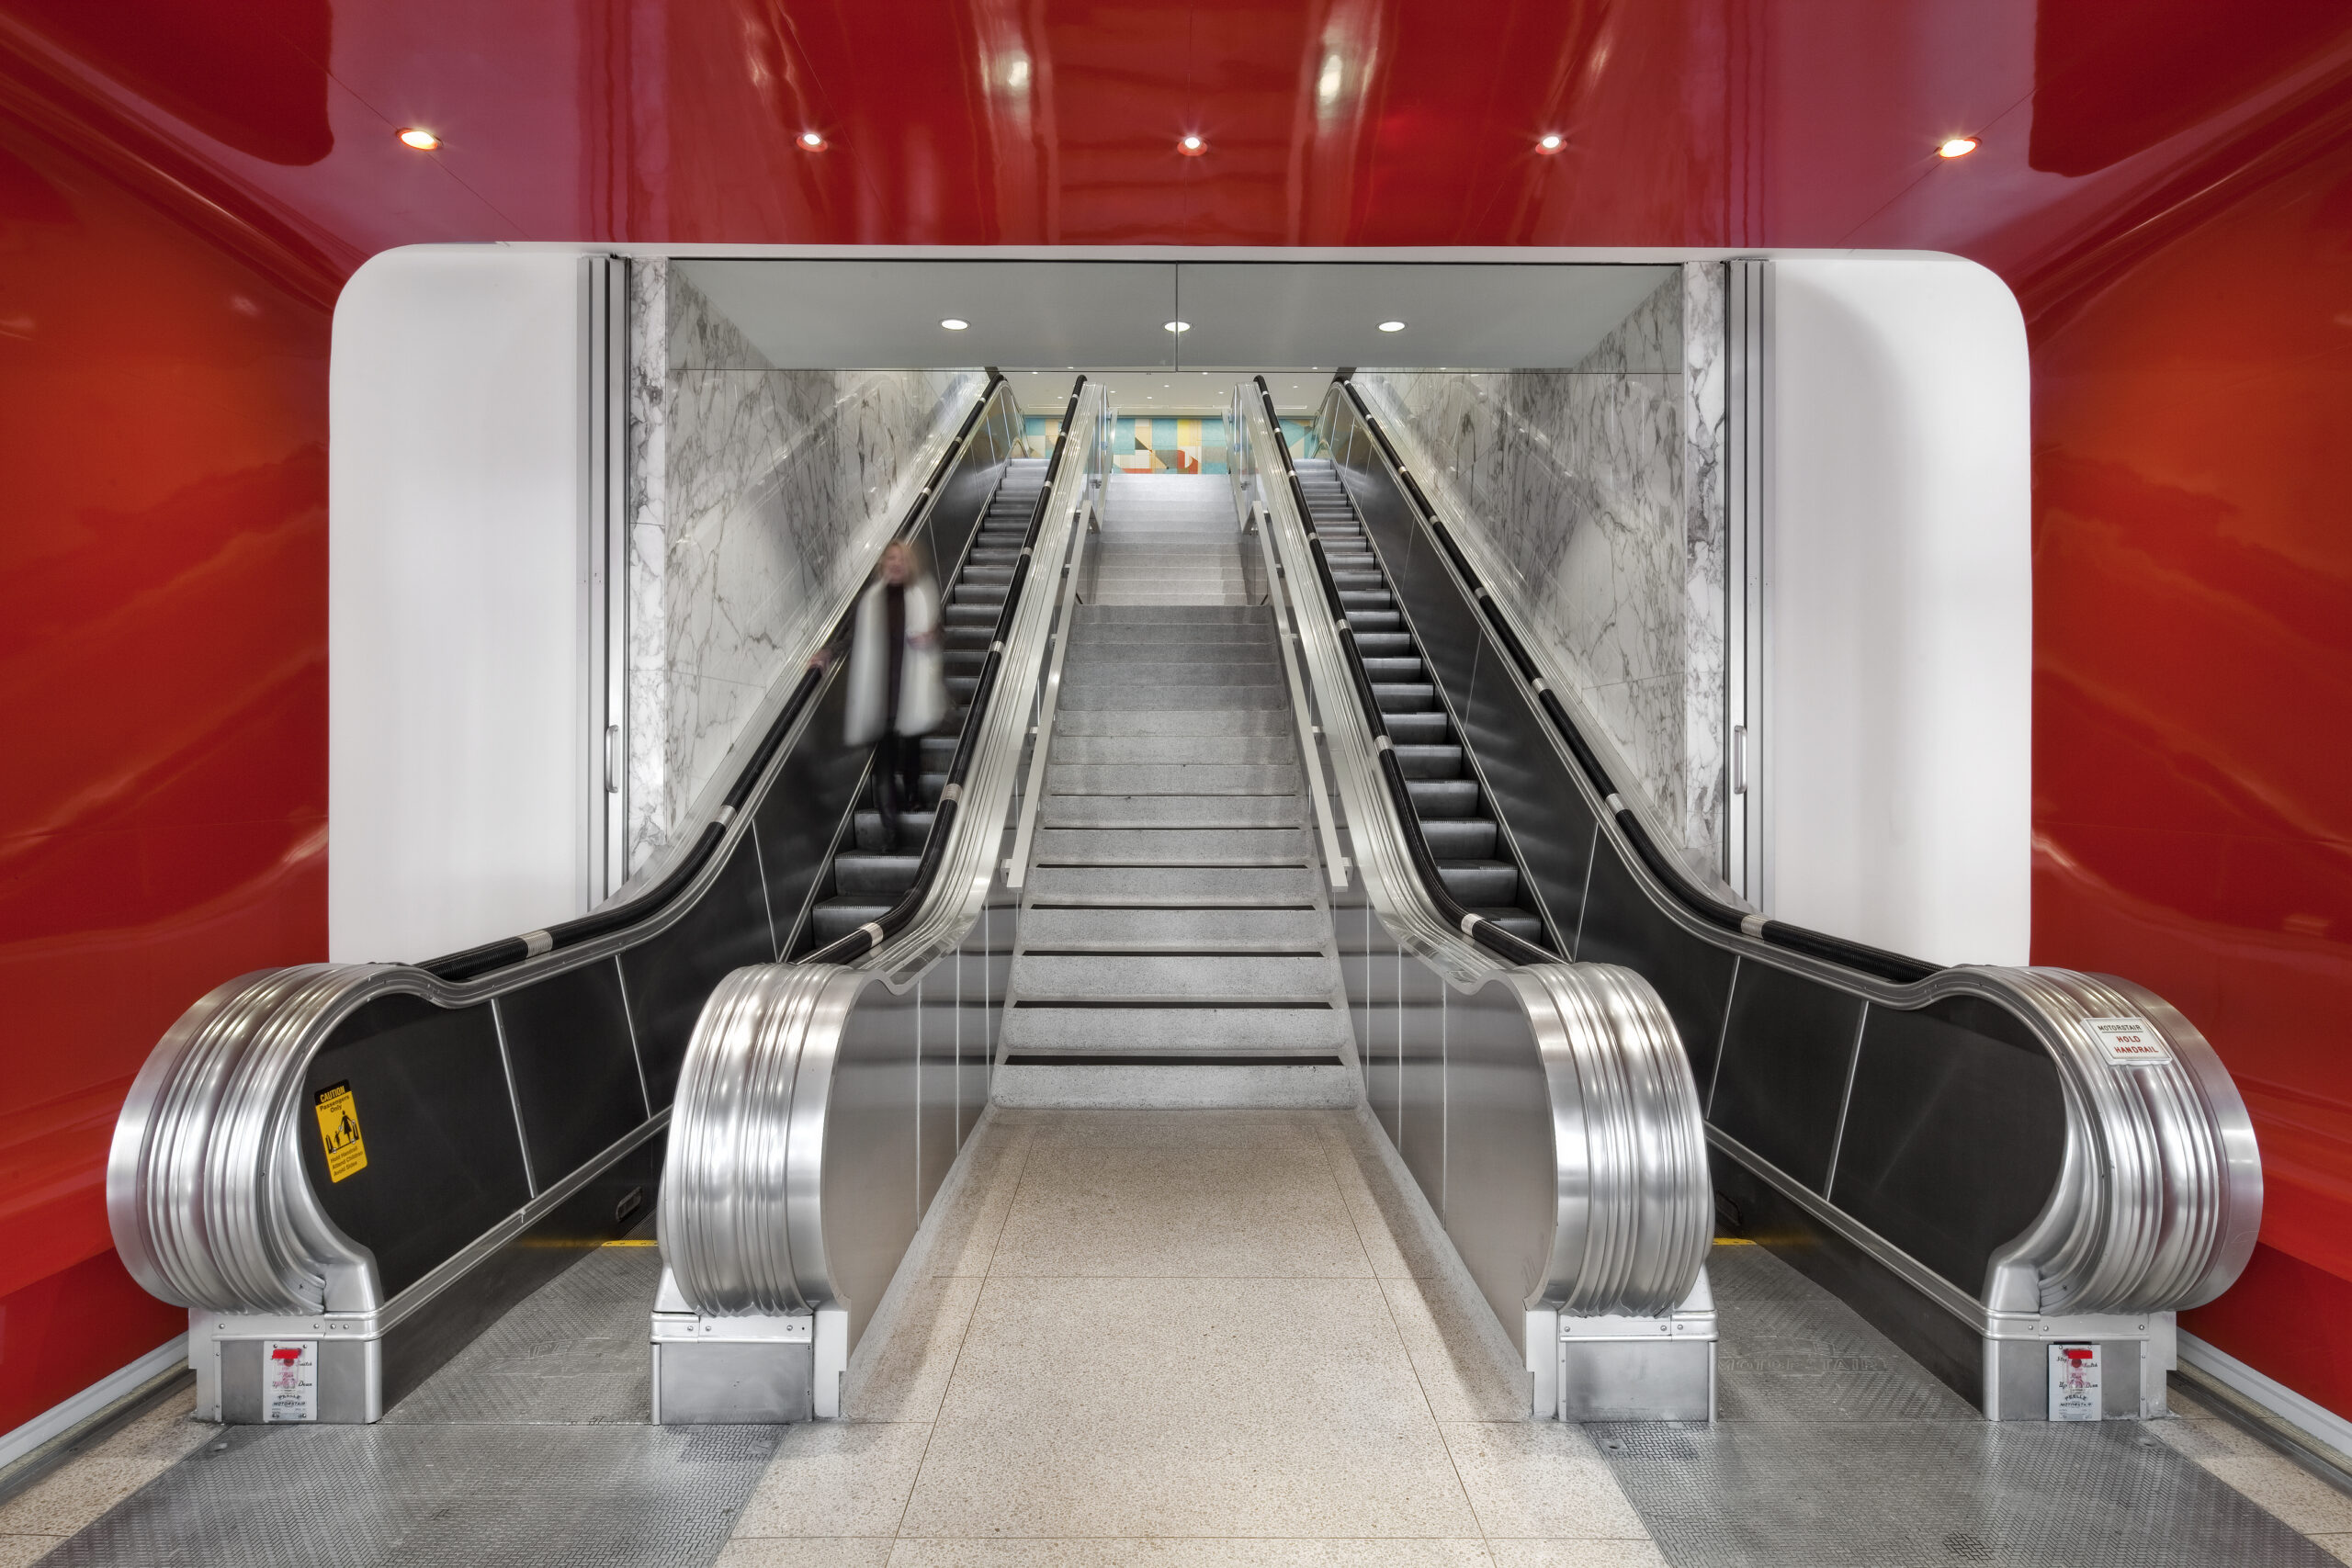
456, 793
1901, 608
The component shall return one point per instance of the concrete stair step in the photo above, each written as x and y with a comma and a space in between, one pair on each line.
1131, 979
1101, 654
1172, 750
1189, 930
1169, 724
1136, 886
1142, 697
1265, 671
1203, 1030
1240, 779
1119, 811
1195, 847
1198, 612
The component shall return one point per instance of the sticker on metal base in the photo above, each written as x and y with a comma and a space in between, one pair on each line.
2130, 1043
290, 1380
2073, 1383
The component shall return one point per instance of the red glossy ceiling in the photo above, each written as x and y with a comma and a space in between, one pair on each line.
1351, 122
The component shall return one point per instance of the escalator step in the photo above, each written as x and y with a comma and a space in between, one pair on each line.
1404, 696
1463, 839
1516, 921
1481, 882
865, 830
862, 871
1387, 667
1429, 761
1426, 728
1444, 799
836, 918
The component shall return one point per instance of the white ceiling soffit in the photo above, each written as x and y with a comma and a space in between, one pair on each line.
1107, 315
1179, 392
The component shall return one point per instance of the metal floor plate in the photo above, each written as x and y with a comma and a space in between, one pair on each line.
573, 1351
1835, 1449
528, 1449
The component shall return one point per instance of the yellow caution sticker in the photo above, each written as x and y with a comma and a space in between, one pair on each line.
339, 1130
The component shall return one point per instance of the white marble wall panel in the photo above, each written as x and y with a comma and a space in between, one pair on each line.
774, 489
1594, 497
648, 489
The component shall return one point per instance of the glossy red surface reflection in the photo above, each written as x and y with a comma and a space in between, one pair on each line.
2169, 187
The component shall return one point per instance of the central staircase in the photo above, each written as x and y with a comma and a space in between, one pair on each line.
1175, 946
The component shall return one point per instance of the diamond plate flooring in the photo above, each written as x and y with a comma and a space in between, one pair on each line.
530, 1448
1834, 1449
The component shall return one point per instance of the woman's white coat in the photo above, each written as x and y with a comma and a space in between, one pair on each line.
922, 685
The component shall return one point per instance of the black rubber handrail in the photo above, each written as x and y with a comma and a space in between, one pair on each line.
1872, 961
476, 962
1503, 943
872, 934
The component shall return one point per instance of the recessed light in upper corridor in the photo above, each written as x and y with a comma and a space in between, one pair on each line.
1392, 326
1958, 147
1175, 326
813, 142
423, 141
1192, 146
1550, 141
955, 323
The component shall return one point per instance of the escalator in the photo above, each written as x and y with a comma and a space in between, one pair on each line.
1962, 1154
868, 875
498, 1110
1473, 857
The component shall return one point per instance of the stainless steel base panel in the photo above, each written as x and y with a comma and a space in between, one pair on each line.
755, 1370
1627, 1369
1636, 1380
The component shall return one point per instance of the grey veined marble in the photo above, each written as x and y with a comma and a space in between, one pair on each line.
1593, 498
756, 497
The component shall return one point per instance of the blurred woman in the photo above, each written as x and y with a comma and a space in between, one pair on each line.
897, 692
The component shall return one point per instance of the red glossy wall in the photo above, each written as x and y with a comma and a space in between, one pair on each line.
2168, 187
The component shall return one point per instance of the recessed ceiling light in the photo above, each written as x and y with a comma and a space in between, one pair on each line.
1192, 146
1175, 326
1392, 326
1550, 141
813, 142
955, 323
421, 139
1958, 147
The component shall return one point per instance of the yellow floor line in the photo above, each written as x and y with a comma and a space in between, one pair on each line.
1720, 1241
632, 1241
